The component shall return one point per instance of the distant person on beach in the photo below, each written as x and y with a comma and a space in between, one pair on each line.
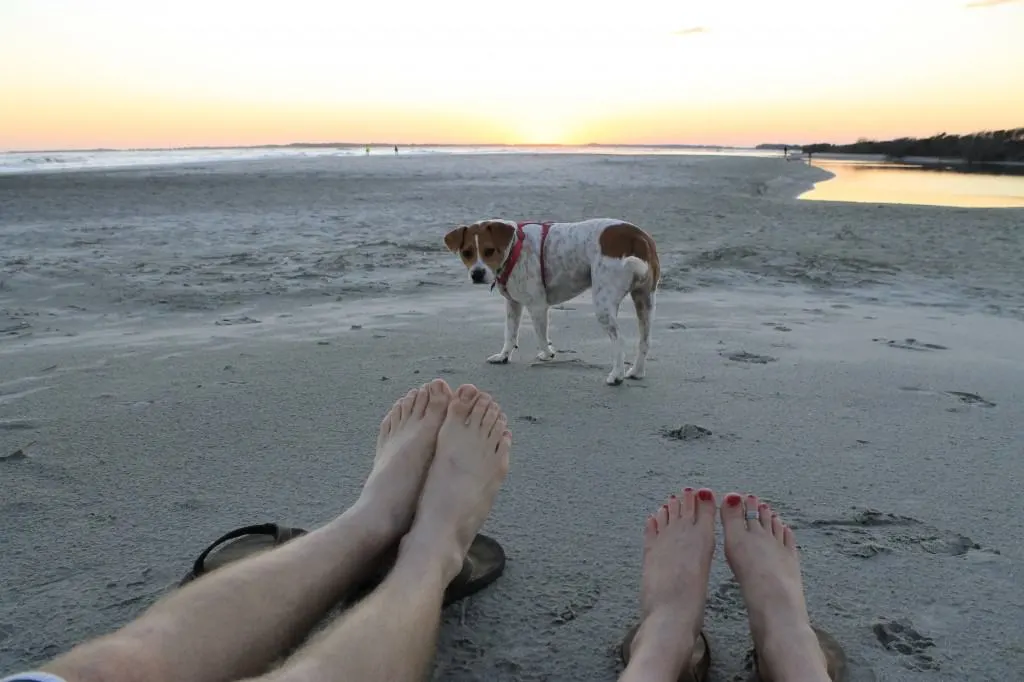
396, 150
441, 458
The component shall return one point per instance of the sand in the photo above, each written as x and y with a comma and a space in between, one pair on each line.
184, 350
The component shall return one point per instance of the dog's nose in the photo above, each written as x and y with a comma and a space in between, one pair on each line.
477, 275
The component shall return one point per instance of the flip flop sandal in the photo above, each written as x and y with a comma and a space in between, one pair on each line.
484, 563
700, 661
835, 659
248, 541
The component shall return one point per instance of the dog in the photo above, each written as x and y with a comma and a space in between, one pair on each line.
538, 265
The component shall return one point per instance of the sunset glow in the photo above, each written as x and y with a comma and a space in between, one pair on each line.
113, 73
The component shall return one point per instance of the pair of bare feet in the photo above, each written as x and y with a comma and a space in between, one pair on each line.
441, 459
679, 543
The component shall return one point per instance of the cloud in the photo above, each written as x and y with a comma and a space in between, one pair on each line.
696, 30
989, 3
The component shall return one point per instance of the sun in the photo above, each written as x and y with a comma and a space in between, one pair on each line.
542, 129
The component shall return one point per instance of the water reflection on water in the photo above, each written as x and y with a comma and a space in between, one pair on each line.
891, 183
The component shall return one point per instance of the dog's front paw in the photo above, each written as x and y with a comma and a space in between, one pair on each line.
546, 355
635, 373
613, 379
499, 358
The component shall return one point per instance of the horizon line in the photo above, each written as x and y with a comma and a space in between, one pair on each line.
658, 145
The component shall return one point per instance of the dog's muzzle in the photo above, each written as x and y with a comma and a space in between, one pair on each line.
478, 275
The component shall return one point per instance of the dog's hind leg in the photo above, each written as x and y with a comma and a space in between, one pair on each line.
643, 301
539, 315
608, 294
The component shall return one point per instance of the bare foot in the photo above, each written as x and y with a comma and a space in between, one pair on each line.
763, 555
405, 448
679, 542
468, 469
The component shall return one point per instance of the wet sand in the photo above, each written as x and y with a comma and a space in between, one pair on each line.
185, 350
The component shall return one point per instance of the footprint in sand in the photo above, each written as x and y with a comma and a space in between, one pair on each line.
964, 397
900, 636
910, 344
869, 533
749, 358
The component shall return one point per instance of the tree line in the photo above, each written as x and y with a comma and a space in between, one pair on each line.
990, 146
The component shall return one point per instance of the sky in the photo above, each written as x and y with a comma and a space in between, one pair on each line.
136, 73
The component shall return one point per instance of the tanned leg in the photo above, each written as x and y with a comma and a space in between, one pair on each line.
236, 621
391, 635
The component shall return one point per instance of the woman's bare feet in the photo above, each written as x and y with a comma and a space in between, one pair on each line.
405, 449
763, 555
469, 466
679, 542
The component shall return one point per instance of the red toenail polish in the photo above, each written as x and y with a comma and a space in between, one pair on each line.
672, 497
705, 494
733, 500
687, 490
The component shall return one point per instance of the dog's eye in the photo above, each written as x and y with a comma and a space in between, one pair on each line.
467, 254
488, 253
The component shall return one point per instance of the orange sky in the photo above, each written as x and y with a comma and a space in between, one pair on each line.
113, 73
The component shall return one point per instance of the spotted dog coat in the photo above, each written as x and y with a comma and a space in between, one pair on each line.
611, 257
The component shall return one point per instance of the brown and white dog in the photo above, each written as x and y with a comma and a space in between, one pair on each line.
538, 265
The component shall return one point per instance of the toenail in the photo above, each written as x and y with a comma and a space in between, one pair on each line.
672, 497
687, 490
705, 494
733, 500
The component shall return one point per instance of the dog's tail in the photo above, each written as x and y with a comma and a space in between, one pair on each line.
637, 266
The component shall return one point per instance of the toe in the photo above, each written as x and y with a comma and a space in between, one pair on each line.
788, 539
662, 517
675, 508
490, 418
439, 394
705, 510
407, 403
385, 424
500, 426
480, 408
420, 401
650, 530
750, 505
764, 515
462, 404
777, 526
688, 504
732, 514
504, 447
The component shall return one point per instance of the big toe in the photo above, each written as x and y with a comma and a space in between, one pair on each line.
706, 507
732, 515
439, 394
462, 402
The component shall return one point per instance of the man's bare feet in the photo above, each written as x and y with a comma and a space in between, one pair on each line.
469, 466
405, 449
763, 555
679, 542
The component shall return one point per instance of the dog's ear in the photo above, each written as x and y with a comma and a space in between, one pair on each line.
502, 234
454, 239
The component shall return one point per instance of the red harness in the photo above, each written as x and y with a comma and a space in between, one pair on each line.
517, 249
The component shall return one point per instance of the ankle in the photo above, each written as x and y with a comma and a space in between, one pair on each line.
792, 653
663, 644
429, 554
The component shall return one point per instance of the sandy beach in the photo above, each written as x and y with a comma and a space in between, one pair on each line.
188, 349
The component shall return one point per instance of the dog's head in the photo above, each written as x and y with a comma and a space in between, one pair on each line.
483, 247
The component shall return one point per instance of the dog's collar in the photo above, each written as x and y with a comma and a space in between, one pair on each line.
517, 248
